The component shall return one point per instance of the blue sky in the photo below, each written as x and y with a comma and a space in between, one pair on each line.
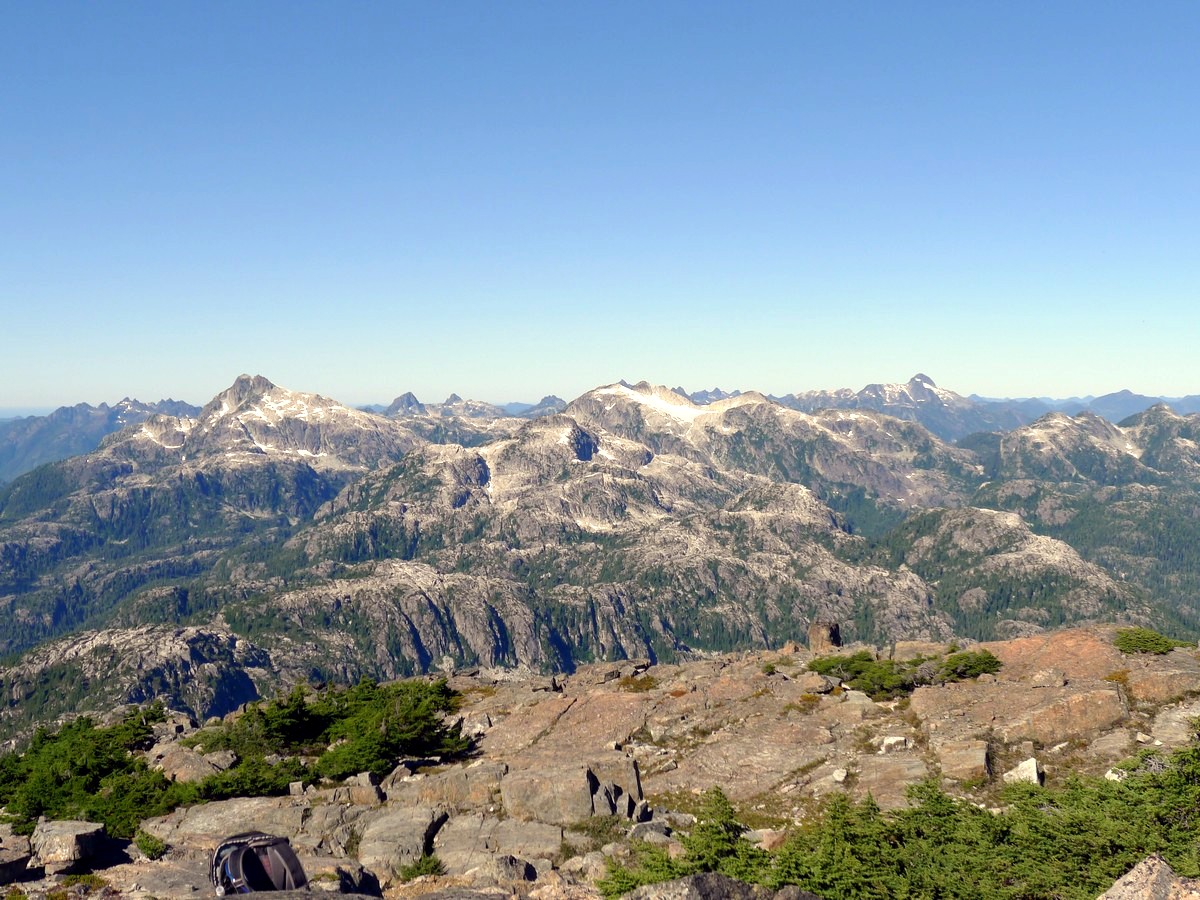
511, 199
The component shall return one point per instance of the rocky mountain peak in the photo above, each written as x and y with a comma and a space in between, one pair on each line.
243, 389
405, 405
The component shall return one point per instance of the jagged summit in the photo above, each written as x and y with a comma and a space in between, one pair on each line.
243, 389
706, 397
405, 405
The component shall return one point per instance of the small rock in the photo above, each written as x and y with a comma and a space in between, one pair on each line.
221, 760
1047, 678
767, 838
642, 830
1028, 772
840, 775
893, 743
504, 867
1116, 775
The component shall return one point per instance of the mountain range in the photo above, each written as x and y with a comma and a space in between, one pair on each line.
280, 536
29, 441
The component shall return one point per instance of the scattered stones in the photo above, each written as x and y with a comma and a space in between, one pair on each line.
893, 743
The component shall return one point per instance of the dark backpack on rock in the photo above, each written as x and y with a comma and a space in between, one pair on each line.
252, 862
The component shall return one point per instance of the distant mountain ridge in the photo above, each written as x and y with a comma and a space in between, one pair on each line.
28, 442
952, 416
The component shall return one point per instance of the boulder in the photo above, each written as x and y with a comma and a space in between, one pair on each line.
221, 759
1028, 772
203, 827
13, 862
824, 637
504, 867
964, 760
560, 796
466, 841
705, 886
394, 838
179, 763
63, 845
767, 838
1153, 879
454, 788
338, 876
812, 683
887, 778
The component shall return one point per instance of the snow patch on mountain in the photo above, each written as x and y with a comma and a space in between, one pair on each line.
660, 400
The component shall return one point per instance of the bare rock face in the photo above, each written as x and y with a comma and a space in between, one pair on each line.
394, 838
964, 760
469, 841
1153, 879
205, 671
13, 861
824, 637
563, 795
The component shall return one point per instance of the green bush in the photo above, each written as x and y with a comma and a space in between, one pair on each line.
968, 664
1143, 640
85, 880
369, 726
1069, 843
428, 864
85, 772
885, 679
151, 847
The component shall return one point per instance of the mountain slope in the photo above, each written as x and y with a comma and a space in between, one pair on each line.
32, 441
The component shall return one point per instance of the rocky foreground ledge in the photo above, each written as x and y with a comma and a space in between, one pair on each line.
569, 769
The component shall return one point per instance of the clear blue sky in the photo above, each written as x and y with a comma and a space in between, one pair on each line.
511, 199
